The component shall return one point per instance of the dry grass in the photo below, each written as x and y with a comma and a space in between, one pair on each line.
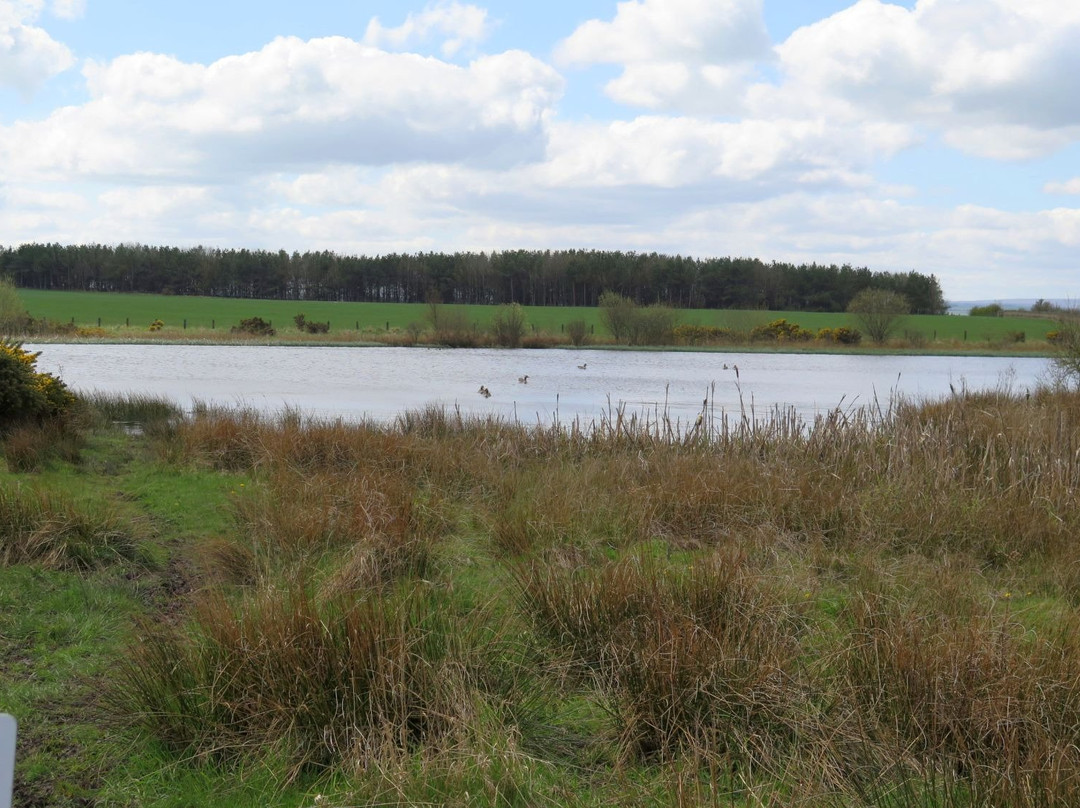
320, 683
769, 612
55, 531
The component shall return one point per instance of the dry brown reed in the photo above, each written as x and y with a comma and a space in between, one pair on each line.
701, 659
981, 698
318, 683
800, 613
46, 528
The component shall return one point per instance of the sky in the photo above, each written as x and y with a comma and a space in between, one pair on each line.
941, 136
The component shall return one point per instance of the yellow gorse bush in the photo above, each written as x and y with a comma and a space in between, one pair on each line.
26, 393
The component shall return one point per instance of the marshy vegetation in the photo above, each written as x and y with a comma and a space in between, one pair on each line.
876, 608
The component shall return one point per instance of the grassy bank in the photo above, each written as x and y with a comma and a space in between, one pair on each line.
225, 609
127, 317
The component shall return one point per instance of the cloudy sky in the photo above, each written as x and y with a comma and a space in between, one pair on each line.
935, 135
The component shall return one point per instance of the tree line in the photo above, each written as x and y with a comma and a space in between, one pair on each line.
527, 277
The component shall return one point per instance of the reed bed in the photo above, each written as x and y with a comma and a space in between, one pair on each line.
875, 608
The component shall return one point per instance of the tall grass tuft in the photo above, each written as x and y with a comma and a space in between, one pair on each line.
701, 660
317, 684
46, 528
780, 612
132, 408
980, 699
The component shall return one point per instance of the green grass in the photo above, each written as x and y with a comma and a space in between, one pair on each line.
134, 312
474, 613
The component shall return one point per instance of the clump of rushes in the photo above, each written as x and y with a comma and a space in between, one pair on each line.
374, 519
561, 506
700, 659
824, 608
316, 684
56, 531
132, 408
980, 698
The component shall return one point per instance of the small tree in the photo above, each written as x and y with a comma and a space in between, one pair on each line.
578, 332
633, 325
655, 325
878, 312
13, 317
617, 315
508, 326
1066, 342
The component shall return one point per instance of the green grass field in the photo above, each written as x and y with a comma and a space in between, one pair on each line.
136, 312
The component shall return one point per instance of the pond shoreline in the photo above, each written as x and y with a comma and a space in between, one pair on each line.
786, 348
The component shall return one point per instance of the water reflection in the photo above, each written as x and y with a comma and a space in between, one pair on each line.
563, 385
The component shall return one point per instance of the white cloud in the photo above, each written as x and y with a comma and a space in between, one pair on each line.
28, 55
994, 75
696, 31
459, 25
686, 54
68, 9
292, 103
672, 152
1068, 187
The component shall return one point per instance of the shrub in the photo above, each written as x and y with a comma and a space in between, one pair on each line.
633, 325
617, 313
578, 332
703, 335
842, 335
508, 326
781, 331
157, 325
310, 326
991, 310
879, 311
26, 394
255, 326
1066, 341
13, 318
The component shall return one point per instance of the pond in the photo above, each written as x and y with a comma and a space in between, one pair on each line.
563, 385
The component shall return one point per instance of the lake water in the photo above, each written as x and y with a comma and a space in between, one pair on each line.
380, 383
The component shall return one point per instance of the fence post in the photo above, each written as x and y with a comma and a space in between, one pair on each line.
8, 727
99, 322
185, 323
127, 322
